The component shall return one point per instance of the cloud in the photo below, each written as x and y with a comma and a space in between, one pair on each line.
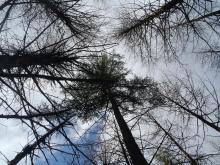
13, 137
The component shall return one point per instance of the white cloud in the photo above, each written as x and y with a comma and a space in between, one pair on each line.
13, 137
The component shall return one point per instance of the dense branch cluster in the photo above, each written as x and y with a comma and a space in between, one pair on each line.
161, 29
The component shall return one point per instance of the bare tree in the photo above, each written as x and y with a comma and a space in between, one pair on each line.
161, 29
201, 103
43, 45
56, 46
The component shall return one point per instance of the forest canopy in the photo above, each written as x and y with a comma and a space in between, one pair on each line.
118, 82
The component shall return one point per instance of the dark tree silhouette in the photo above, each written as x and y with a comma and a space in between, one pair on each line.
160, 29
92, 98
43, 44
201, 103
54, 46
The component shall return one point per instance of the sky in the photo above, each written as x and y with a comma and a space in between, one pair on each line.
14, 135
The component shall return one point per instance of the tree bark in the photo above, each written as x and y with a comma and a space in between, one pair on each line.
122, 146
134, 151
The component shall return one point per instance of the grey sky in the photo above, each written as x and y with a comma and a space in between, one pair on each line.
13, 135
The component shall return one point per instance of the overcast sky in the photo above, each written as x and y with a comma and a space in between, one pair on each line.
13, 135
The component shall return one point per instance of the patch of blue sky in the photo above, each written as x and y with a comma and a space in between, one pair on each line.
77, 158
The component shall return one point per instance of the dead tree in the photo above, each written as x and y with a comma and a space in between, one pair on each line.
161, 29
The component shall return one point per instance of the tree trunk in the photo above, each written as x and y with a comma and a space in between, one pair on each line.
122, 146
134, 151
192, 161
149, 17
29, 148
200, 117
9, 62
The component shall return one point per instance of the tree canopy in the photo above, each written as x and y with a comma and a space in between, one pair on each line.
66, 84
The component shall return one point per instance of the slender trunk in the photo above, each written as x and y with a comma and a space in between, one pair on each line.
192, 161
122, 146
29, 148
6, 3
9, 62
149, 17
200, 117
201, 18
134, 151
33, 115
52, 78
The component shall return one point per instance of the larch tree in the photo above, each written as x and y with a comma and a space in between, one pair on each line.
53, 46
163, 29
117, 92
43, 43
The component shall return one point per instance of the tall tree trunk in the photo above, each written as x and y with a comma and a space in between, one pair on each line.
29, 148
149, 17
134, 151
200, 117
122, 146
9, 62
